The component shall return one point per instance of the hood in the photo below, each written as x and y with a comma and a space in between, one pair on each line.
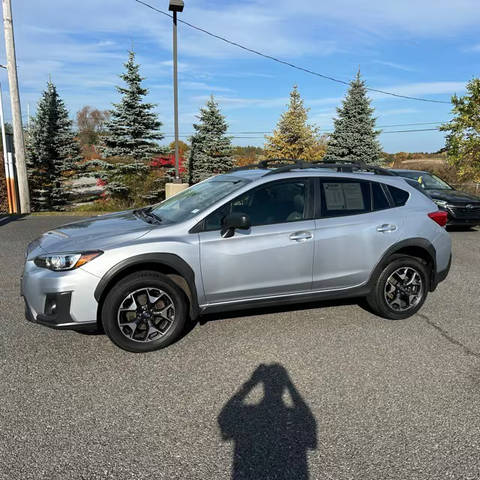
92, 233
454, 196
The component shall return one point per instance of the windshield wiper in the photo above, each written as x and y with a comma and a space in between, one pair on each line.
147, 215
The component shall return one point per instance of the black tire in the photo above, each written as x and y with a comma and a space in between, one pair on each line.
376, 298
131, 284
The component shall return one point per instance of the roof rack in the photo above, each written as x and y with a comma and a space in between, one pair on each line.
286, 164
265, 164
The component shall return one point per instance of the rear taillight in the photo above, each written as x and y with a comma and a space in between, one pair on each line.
440, 217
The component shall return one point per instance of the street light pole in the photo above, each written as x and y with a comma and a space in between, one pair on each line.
175, 6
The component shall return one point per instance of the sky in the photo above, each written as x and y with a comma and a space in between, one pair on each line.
422, 48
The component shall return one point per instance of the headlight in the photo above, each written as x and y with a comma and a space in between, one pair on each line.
441, 203
59, 262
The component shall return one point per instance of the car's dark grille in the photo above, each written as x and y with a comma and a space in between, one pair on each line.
464, 212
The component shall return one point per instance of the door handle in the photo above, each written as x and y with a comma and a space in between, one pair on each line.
386, 227
301, 236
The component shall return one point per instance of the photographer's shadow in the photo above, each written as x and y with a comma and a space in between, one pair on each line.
271, 437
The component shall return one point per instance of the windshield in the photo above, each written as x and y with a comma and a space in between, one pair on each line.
427, 180
196, 199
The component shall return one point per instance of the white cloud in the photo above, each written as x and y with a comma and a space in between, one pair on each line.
395, 66
396, 111
230, 103
203, 86
425, 17
421, 89
472, 48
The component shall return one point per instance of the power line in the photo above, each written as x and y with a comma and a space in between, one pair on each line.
307, 70
414, 130
262, 137
410, 124
325, 131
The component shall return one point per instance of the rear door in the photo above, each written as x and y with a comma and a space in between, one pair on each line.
274, 257
355, 225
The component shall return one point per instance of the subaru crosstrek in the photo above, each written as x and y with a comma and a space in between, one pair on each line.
259, 236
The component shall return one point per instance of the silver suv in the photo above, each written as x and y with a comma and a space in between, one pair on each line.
269, 235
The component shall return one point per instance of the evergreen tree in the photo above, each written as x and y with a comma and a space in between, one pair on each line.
463, 138
211, 150
354, 136
294, 138
131, 135
52, 152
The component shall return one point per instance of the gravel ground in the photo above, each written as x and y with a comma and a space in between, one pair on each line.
364, 398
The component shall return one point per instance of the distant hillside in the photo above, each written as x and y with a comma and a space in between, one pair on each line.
421, 163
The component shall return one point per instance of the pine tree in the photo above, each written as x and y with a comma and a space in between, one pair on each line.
131, 135
354, 137
211, 149
133, 127
294, 138
52, 152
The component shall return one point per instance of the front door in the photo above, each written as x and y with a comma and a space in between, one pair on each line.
274, 257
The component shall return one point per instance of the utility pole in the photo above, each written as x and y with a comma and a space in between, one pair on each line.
18, 139
8, 163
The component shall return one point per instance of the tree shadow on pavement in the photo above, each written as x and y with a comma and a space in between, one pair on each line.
4, 219
271, 438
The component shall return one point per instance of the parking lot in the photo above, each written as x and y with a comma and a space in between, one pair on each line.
367, 398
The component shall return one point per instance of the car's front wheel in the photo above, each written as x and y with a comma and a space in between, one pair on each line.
144, 311
400, 289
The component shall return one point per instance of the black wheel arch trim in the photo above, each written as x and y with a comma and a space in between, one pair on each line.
167, 259
411, 242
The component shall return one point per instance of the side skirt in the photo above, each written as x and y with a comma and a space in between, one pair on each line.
354, 292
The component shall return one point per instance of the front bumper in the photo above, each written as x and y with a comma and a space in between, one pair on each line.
60, 318
61, 300
462, 216
458, 222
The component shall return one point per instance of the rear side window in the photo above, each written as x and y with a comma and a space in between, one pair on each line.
379, 199
345, 197
399, 196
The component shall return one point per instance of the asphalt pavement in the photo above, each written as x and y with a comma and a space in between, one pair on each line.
328, 391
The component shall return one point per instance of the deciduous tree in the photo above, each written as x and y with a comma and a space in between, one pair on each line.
91, 125
463, 137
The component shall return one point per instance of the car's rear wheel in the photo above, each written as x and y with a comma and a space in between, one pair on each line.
400, 288
144, 311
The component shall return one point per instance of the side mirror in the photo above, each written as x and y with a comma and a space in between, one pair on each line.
233, 221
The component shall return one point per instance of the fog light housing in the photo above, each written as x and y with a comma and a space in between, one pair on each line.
51, 308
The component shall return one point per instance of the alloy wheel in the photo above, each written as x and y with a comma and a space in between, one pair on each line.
146, 314
404, 289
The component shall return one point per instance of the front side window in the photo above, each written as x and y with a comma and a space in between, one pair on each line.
342, 197
275, 202
198, 198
